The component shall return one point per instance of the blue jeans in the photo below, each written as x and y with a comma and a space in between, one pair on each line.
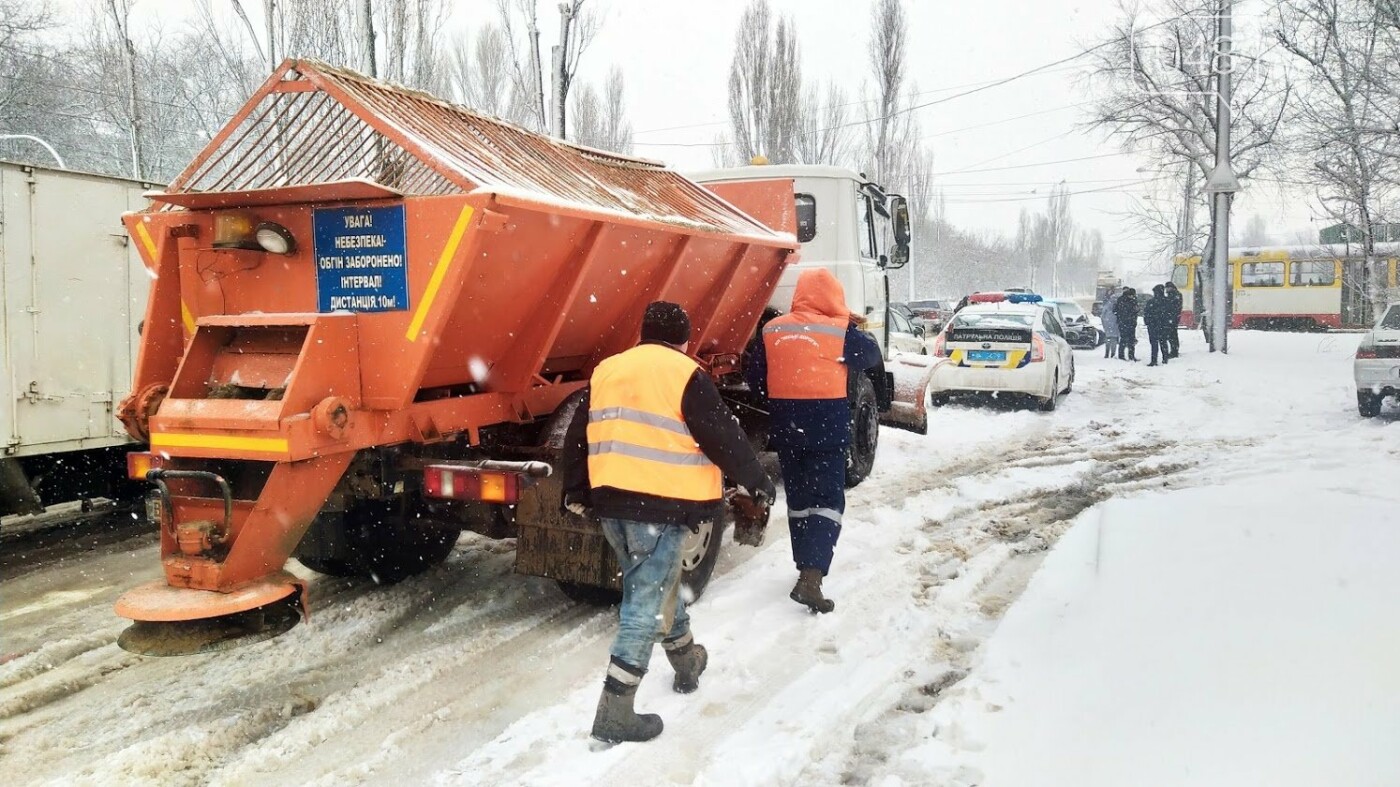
652, 608
815, 481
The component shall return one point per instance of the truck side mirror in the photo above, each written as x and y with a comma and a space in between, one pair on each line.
899, 216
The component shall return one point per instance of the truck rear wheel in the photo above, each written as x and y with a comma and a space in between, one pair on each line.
376, 540
699, 554
865, 432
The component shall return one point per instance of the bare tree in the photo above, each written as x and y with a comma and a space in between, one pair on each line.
765, 88
520, 31
1153, 93
825, 136
481, 75
888, 129
1341, 135
600, 121
119, 14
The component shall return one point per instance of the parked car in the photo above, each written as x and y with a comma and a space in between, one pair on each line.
1003, 347
933, 314
905, 335
1079, 329
1377, 365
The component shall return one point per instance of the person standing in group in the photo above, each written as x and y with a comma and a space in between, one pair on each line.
1157, 316
1110, 323
646, 453
1126, 312
1174, 334
804, 368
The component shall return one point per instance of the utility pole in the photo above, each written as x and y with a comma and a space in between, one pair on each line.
1222, 182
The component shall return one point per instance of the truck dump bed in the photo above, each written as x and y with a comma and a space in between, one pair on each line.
443, 273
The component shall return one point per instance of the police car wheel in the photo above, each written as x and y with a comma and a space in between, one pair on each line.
865, 432
1049, 404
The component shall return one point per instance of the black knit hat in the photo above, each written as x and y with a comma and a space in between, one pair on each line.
665, 322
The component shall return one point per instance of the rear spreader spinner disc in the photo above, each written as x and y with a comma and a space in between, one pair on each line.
182, 621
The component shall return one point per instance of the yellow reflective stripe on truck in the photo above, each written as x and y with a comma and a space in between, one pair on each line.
149, 244
449, 252
260, 445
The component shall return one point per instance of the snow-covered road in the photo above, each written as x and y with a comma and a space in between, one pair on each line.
473, 675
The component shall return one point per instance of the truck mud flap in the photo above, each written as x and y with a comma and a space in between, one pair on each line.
909, 410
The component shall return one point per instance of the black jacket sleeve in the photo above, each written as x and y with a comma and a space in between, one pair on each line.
573, 459
861, 352
756, 367
717, 432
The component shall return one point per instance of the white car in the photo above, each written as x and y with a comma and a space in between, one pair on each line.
1377, 364
905, 336
1017, 348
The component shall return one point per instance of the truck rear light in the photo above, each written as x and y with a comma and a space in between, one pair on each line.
1037, 348
139, 463
448, 482
235, 230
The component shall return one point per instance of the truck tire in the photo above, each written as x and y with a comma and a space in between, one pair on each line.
591, 595
379, 543
329, 566
865, 432
698, 557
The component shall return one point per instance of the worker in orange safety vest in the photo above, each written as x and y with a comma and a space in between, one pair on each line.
803, 367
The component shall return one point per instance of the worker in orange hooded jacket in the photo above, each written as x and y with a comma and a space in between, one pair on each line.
803, 367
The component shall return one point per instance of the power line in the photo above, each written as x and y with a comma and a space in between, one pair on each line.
845, 104
1035, 164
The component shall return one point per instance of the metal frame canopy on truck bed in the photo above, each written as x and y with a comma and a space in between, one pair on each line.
353, 280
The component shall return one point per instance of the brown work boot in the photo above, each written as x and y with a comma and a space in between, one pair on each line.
616, 720
689, 659
808, 591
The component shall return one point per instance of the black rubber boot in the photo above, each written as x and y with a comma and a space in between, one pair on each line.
689, 659
616, 720
808, 591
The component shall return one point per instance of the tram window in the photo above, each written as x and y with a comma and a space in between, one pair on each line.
1261, 274
1181, 277
1322, 273
806, 218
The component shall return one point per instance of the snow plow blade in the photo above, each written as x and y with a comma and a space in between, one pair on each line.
909, 410
170, 621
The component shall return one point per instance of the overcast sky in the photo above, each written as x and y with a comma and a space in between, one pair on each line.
1028, 136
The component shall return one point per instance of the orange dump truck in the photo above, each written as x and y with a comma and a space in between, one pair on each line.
369, 312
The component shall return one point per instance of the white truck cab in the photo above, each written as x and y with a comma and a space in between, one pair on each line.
854, 229
845, 224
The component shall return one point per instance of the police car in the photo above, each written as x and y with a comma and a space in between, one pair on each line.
1003, 343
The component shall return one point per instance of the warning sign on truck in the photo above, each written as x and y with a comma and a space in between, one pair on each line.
360, 259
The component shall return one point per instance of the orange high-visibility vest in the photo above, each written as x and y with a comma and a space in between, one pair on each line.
804, 356
637, 437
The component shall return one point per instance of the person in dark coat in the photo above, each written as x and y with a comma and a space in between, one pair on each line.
1158, 315
1174, 335
1126, 310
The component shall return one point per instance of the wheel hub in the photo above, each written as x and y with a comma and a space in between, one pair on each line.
696, 545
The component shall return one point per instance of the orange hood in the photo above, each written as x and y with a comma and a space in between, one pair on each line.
818, 292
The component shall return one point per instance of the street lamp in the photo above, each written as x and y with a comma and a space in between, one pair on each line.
46, 145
